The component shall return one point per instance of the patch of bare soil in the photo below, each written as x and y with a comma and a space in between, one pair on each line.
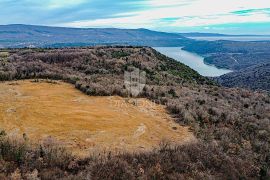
82, 123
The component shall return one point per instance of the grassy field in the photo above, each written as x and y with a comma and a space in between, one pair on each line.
44, 112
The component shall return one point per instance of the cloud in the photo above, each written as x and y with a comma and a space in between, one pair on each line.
182, 13
53, 12
247, 12
56, 4
153, 14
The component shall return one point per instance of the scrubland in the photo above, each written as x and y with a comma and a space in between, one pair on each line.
232, 125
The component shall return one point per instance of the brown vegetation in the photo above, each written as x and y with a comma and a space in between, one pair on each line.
233, 125
85, 124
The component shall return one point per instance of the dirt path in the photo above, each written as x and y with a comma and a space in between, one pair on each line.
82, 123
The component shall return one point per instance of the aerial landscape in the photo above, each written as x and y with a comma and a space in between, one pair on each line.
143, 89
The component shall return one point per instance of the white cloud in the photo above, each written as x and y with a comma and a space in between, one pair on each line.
54, 4
190, 13
160, 3
223, 19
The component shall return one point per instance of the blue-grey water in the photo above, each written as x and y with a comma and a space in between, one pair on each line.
192, 60
233, 38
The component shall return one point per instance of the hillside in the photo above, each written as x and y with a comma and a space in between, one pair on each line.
246, 59
231, 125
231, 55
88, 65
255, 77
222, 54
42, 36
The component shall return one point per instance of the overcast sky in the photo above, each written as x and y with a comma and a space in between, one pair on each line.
222, 16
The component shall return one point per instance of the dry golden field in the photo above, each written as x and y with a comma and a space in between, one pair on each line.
57, 112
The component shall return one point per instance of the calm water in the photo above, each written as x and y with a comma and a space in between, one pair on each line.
233, 38
192, 60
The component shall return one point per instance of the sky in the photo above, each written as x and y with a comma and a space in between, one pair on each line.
216, 16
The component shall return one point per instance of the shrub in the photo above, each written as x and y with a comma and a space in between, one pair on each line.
232, 125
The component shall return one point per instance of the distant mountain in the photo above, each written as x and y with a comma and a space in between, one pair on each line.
254, 77
198, 34
18, 35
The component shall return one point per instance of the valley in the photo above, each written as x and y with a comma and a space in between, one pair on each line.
192, 60
134, 90
221, 55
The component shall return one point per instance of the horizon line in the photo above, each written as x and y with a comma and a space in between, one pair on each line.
186, 32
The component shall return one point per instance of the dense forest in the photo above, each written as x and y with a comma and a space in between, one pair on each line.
232, 124
255, 77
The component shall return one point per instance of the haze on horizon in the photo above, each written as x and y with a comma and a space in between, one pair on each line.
215, 16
